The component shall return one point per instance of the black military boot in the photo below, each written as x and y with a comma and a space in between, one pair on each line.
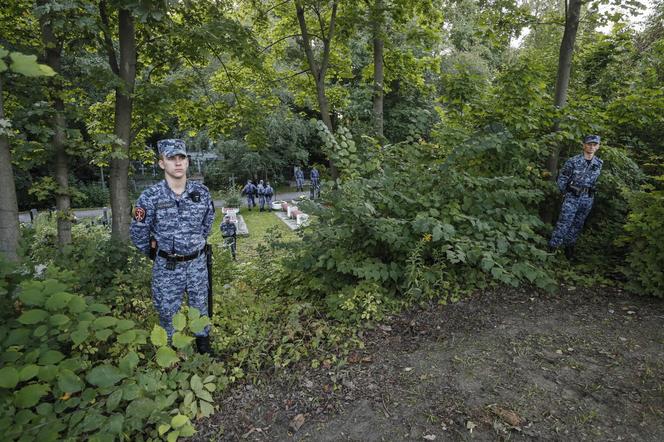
569, 252
203, 345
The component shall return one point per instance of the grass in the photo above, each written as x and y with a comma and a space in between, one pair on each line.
259, 224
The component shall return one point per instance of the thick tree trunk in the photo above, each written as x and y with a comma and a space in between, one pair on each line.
317, 71
119, 178
53, 54
572, 16
378, 91
9, 227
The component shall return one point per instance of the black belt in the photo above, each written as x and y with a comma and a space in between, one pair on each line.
180, 258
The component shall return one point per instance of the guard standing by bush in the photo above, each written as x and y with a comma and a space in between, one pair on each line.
576, 181
174, 218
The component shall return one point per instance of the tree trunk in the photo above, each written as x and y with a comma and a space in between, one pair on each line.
572, 16
378, 92
119, 178
9, 227
53, 53
317, 71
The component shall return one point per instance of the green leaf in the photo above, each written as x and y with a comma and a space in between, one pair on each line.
187, 431
3, 66
51, 357
127, 337
69, 382
163, 428
104, 322
181, 340
113, 400
198, 325
205, 395
48, 373
207, 409
124, 325
140, 408
196, 383
115, 423
79, 336
59, 319
105, 376
28, 372
158, 336
8, 377
32, 295
58, 301
173, 436
129, 362
77, 304
179, 420
166, 357
93, 420
27, 65
179, 322
29, 396
33, 316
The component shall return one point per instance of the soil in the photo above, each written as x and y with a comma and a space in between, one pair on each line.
580, 364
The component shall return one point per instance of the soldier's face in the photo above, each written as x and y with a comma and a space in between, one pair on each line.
590, 148
175, 166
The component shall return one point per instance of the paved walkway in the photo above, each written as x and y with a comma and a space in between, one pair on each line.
24, 217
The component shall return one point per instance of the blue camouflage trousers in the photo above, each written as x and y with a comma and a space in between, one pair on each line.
261, 201
573, 214
251, 202
168, 287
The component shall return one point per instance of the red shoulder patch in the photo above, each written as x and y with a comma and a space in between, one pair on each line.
139, 214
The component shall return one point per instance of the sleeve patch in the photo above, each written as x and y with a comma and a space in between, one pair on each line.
139, 214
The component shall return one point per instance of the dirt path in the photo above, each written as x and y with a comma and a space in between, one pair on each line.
580, 364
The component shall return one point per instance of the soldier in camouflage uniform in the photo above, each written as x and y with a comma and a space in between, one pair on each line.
269, 192
314, 177
260, 190
229, 233
175, 216
250, 190
299, 179
576, 181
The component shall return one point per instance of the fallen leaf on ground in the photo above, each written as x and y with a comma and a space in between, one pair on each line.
470, 425
296, 422
430, 437
509, 416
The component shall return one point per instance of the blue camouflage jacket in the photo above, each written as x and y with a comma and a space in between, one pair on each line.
249, 189
179, 225
227, 229
577, 170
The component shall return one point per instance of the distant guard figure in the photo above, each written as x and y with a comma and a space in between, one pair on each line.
269, 193
576, 181
174, 218
250, 190
229, 233
314, 177
299, 179
260, 189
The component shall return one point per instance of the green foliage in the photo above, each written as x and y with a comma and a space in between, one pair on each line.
644, 234
415, 220
70, 370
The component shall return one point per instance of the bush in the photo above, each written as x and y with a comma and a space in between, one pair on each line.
71, 370
645, 239
416, 221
